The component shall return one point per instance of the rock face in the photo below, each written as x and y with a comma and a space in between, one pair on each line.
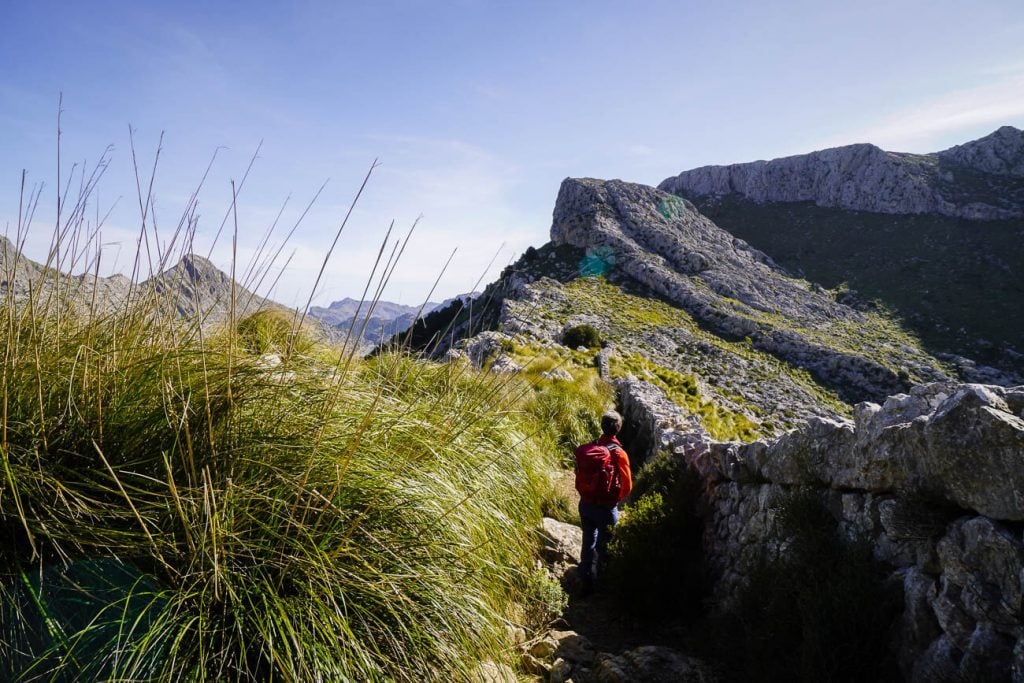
978, 180
959, 557
665, 244
1001, 153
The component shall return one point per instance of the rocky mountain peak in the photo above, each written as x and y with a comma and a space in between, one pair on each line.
664, 243
977, 180
198, 269
999, 153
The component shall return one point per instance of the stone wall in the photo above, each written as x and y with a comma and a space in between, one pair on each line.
934, 479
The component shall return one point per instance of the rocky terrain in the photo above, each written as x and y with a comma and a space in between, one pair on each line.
953, 279
930, 478
192, 289
982, 179
708, 318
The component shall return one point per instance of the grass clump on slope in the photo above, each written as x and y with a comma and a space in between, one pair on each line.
181, 507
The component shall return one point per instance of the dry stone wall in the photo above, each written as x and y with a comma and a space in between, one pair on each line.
932, 479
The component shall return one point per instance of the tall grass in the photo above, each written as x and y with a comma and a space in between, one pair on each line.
187, 502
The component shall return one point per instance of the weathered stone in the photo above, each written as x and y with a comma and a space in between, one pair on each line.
956, 622
865, 178
493, 672
558, 374
534, 665
560, 671
561, 544
988, 656
543, 648
650, 663
986, 561
939, 664
573, 647
1017, 666
516, 634
919, 625
975, 453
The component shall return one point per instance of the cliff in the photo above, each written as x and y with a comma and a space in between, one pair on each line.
981, 180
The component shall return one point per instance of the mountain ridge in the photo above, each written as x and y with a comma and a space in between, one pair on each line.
979, 180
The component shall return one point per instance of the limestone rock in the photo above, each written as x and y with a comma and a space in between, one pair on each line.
562, 543
560, 671
982, 564
1001, 153
650, 663
573, 647
865, 178
666, 245
975, 453
534, 665
493, 672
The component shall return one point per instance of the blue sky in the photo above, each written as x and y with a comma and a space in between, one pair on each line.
476, 110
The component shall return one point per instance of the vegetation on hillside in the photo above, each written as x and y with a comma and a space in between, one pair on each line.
181, 507
244, 501
951, 280
701, 373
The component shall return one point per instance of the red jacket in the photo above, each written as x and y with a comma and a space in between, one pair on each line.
625, 475
621, 459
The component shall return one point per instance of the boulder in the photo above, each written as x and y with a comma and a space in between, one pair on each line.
974, 454
652, 664
561, 545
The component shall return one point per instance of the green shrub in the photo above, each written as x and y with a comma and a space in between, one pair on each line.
820, 613
175, 507
655, 564
544, 600
582, 335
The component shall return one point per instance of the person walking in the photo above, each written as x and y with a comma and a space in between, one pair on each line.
603, 480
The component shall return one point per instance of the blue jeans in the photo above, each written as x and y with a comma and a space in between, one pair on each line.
597, 522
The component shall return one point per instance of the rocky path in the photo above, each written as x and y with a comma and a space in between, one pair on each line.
594, 641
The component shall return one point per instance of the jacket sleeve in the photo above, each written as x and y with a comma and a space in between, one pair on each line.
625, 476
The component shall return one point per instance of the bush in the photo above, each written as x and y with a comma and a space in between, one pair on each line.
821, 613
199, 514
655, 563
582, 335
175, 507
544, 600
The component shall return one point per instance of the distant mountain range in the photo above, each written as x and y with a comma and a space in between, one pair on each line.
386, 319
195, 285
192, 286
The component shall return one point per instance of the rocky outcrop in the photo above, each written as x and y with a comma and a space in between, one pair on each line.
930, 478
864, 177
193, 289
1001, 153
665, 244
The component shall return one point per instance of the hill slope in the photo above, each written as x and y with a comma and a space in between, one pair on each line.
193, 286
895, 227
714, 322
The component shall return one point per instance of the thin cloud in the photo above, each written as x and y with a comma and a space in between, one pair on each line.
922, 126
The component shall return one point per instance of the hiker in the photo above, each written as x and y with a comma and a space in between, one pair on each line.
603, 480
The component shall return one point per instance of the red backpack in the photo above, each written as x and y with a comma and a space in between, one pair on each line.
597, 473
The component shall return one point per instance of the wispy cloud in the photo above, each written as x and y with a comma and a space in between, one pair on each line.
922, 126
465, 198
